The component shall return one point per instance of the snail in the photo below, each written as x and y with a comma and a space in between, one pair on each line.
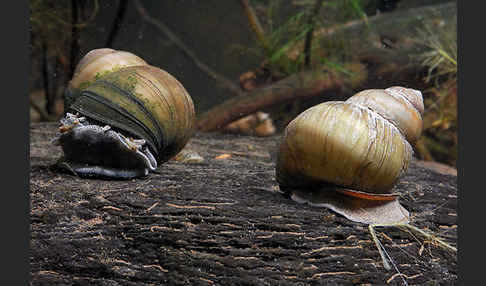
349, 155
123, 116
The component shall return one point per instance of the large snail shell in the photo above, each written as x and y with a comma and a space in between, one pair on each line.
139, 101
359, 144
143, 101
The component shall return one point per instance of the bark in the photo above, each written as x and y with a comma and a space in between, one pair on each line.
222, 222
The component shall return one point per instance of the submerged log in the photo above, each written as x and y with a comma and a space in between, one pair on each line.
301, 85
222, 222
382, 51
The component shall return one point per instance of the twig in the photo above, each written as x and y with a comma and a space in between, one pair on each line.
431, 237
391, 260
379, 246
411, 228
255, 24
122, 7
310, 33
74, 38
188, 52
45, 81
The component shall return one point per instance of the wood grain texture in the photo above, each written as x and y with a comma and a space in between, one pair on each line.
222, 222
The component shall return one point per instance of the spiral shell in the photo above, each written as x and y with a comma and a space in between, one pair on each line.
140, 101
361, 145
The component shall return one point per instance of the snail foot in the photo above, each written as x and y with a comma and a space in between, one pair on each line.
354, 205
94, 151
89, 171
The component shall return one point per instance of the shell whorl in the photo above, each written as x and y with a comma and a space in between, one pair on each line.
358, 144
402, 107
99, 61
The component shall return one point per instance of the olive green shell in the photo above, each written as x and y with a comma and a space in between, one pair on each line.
96, 63
140, 101
342, 144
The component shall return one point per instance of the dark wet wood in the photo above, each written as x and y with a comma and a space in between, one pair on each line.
222, 222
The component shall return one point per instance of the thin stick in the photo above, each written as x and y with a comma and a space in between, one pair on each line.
431, 237
384, 255
421, 232
255, 24
379, 246
122, 7
74, 38
188, 52
310, 33
392, 262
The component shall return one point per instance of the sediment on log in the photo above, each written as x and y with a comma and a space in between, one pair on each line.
222, 222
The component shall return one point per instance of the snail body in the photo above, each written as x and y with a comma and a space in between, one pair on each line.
359, 148
135, 108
